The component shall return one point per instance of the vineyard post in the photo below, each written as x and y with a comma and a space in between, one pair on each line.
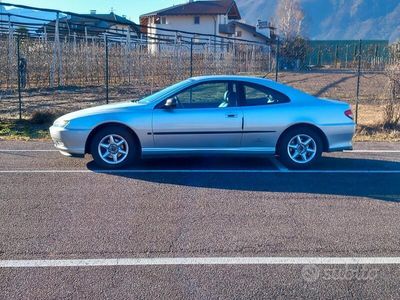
19, 78
277, 60
191, 57
358, 80
106, 73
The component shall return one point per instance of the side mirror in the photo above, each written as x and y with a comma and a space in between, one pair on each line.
170, 103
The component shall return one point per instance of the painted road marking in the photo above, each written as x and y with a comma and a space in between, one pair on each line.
203, 171
163, 261
371, 151
29, 150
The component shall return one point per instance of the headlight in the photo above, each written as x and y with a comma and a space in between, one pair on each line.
61, 123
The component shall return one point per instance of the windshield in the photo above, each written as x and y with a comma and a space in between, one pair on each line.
157, 95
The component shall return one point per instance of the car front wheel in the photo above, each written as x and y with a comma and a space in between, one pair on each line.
300, 148
113, 147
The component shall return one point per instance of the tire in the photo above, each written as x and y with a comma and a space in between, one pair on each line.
120, 145
300, 148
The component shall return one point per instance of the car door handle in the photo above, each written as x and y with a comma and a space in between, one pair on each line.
231, 115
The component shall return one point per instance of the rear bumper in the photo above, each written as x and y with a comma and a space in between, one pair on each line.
69, 142
340, 137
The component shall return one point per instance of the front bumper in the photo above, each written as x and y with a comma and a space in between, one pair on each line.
70, 142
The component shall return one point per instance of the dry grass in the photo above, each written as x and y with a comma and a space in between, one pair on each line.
377, 134
339, 85
23, 130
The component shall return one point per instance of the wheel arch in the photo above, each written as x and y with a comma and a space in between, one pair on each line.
104, 125
318, 130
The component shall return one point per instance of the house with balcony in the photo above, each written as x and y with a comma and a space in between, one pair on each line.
219, 18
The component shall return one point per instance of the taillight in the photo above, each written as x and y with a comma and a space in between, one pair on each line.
349, 114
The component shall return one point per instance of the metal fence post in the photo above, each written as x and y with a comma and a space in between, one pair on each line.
336, 55
277, 60
19, 78
358, 80
191, 57
106, 73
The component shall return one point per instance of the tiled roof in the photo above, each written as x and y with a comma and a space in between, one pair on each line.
220, 7
105, 17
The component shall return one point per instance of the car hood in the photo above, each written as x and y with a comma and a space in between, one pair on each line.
108, 108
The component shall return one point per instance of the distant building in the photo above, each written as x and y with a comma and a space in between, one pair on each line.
201, 17
85, 23
244, 31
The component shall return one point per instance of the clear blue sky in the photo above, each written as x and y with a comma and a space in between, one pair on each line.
132, 8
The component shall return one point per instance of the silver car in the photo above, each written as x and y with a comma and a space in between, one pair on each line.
210, 115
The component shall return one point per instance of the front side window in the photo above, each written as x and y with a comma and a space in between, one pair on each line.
163, 20
197, 20
255, 94
208, 95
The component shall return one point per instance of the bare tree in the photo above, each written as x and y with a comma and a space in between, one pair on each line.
289, 19
391, 113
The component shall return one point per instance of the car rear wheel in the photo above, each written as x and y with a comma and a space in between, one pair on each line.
113, 147
300, 148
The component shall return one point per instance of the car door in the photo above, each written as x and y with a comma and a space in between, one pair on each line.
264, 111
206, 116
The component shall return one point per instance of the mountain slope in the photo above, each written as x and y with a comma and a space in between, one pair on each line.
28, 13
337, 19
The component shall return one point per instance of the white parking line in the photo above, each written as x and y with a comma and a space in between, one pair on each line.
201, 171
28, 150
200, 261
371, 151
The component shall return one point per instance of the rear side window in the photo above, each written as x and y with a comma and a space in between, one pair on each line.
254, 94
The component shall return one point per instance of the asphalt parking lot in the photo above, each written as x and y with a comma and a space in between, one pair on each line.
199, 227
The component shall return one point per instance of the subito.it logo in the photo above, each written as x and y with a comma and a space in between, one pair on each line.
310, 273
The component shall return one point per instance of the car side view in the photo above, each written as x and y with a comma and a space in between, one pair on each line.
210, 115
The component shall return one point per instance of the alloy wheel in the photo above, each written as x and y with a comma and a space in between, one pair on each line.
113, 149
302, 148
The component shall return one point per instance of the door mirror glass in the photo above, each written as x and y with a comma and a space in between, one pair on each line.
170, 103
